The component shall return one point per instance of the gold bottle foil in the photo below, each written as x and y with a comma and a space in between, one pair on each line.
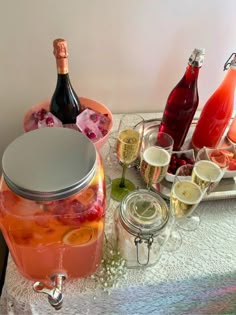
61, 53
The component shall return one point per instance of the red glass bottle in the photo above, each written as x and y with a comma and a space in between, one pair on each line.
183, 101
217, 111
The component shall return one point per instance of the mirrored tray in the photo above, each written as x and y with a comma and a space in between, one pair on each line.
226, 188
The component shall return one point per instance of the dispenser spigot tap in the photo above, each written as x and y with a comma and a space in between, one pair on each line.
54, 291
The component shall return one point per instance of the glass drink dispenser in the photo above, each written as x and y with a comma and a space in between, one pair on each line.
52, 207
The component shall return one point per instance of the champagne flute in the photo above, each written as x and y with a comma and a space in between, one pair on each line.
108, 153
129, 140
207, 174
155, 157
192, 193
184, 198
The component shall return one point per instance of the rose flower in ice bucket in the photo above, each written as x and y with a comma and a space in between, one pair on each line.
95, 121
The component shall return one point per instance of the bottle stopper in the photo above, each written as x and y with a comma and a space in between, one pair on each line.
60, 48
197, 57
230, 62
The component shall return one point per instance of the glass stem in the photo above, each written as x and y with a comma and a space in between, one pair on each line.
122, 181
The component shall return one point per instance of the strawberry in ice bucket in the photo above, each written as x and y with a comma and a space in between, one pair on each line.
40, 119
93, 124
95, 121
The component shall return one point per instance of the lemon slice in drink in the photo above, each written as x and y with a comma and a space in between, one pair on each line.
83, 235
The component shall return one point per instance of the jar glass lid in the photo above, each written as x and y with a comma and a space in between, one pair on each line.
49, 163
143, 211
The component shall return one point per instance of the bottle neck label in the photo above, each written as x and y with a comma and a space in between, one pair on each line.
62, 65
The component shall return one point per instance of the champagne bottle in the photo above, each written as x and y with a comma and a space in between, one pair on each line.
217, 111
65, 104
183, 101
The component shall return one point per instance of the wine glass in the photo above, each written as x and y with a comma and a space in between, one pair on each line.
155, 156
108, 153
207, 174
129, 140
184, 198
157, 138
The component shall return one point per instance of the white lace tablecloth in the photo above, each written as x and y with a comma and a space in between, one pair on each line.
198, 279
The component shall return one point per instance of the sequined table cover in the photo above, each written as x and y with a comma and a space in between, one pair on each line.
198, 279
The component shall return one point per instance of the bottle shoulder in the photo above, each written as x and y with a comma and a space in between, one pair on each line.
65, 104
229, 80
224, 94
187, 84
64, 90
183, 94
219, 103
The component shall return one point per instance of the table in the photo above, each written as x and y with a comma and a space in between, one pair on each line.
198, 279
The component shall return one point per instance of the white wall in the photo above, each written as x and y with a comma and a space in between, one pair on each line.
126, 53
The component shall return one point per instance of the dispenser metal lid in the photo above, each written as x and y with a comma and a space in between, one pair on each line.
49, 163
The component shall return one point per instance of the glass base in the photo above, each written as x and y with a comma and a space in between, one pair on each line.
189, 224
117, 192
174, 241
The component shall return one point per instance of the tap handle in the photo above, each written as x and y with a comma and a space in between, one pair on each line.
55, 296
54, 292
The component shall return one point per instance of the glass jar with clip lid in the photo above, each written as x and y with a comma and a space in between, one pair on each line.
142, 226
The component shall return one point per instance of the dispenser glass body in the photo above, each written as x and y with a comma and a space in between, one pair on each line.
48, 235
57, 236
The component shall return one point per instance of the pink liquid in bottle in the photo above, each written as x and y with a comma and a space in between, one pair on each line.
216, 113
182, 102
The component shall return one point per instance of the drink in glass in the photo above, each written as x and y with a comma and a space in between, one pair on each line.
154, 165
129, 140
185, 195
155, 156
207, 174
